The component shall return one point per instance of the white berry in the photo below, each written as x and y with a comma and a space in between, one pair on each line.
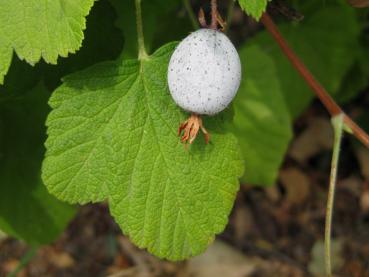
204, 72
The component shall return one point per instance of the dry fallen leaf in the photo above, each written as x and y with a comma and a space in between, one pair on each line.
60, 259
220, 260
364, 202
352, 184
364, 199
10, 265
362, 155
297, 185
316, 137
273, 193
243, 222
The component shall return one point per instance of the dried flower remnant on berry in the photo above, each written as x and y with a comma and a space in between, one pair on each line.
204, 74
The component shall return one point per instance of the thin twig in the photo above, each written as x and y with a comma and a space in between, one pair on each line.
191, 14
214, 13
317, 88
337, 123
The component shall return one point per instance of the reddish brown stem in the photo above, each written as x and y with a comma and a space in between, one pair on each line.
202, 19
214, 14
313, 83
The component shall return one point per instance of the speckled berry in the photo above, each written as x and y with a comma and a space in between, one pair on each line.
204, 72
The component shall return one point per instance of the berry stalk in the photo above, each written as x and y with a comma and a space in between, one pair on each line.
214, 14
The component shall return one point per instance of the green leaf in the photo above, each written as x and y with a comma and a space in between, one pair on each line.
255, 8
45, 29
355, 81
113, 134
27, 210
262, 121
326, 51
6, 54
272, 91
103, 41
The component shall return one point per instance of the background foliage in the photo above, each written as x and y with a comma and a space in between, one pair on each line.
112, 129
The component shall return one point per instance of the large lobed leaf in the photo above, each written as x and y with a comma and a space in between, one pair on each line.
262, 121
26, 207
6, 54
36, 29
329, 50
27, 210
102, 41
113, 135
272, 91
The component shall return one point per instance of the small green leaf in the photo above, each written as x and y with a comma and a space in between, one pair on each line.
255, 8
46, 29
113, 134
262, 121
27, 210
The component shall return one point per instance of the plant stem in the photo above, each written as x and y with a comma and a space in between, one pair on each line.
229, 15
338, 124
214, 13
23, 262
191, 14
316, 87
142, 54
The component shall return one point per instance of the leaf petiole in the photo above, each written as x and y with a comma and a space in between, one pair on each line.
142, 54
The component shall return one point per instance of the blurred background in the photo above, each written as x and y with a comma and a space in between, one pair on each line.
277, 225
